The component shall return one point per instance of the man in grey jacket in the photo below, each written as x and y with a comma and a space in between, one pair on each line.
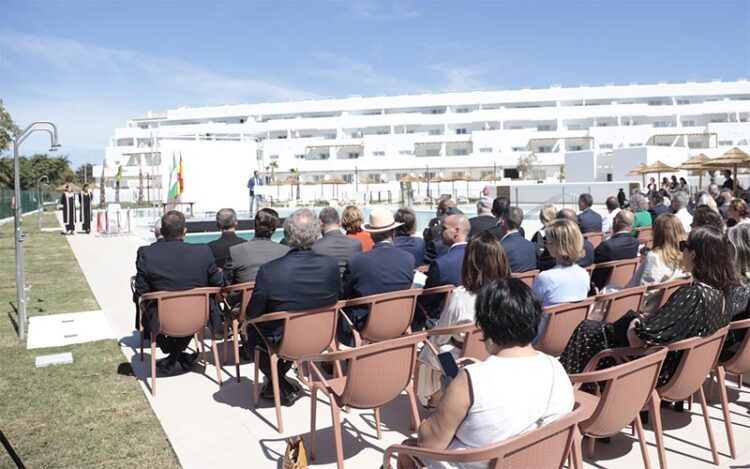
334, 243
246, 258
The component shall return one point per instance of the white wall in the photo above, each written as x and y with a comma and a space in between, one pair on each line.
580, 166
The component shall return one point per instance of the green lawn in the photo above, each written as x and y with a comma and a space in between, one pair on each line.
80, 415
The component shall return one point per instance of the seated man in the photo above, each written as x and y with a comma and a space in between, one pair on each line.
588, 220
138, 253
613, 208
226, 221
300, 280
334, 243
446, 269
382, 269
173, 265
435, 247
520, 251
484, 219
620, 246
546, 261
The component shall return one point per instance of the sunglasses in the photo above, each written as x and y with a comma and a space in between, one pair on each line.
685, 245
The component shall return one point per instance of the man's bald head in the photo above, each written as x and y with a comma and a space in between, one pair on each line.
623, 221
455, 229
567, 214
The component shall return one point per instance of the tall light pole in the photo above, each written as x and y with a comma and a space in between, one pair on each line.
51, 129
40, 206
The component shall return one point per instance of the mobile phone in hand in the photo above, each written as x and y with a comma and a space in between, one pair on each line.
448, 364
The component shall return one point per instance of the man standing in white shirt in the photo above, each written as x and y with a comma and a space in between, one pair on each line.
613, 206
679, 206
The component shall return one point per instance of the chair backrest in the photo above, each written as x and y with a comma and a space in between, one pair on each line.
182, 313
308, 332
526, 277
620, 302
562, 322
473, 346
378, 373
590, 269
668, 288
699, 356
594, 238
627, 388
739, 363
246, 290
390, 314
621, 271
644, 233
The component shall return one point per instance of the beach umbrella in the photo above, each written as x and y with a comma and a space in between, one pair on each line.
63, 186
638, 171
734, 158
468, 179
659, 168
696, 163
334, 181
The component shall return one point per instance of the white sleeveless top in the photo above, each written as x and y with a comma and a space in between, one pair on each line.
510, 395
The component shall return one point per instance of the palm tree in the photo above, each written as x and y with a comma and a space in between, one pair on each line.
273, 165
118, 177
295, 172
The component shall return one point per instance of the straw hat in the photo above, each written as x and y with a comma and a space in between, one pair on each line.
381, 219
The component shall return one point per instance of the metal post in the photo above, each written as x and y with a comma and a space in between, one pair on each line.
20, 280
40, 206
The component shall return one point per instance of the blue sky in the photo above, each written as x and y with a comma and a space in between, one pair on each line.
91, 65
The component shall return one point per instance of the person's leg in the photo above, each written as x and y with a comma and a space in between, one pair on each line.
282, 367
252, 201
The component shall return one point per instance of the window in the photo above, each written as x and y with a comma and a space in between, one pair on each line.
430, 174
576, 148
405, 152
518, 148
688, 123
274, 157
382, 132
462, 110
378, 153
299, 156
516, 127
353, 155
485, 150
605, 146
281, 137
331, 136
543, 127
324, 156
436, 132
683, 101
374, 176
545, 149
661, 124
461, 132
634, 144
574, 127
460, 152
655, 102
726, 143
432, 152
347, 178
399, 176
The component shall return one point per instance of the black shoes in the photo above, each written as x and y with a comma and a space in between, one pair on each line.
167, 365
187, 360
291, 391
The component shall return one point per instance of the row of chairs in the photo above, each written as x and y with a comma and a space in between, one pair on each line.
644, 234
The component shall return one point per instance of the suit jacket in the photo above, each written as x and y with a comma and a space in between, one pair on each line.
498, 232
339, 246
546, 261
433, 249
173, 266
481, 223
520, 251
619, 246
252, 182
658, 210
413, 245
297, 281
220, 247
245, 259
382, 269
444, 270
589, 221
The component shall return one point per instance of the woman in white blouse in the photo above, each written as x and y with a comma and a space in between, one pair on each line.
663, 262
484, 261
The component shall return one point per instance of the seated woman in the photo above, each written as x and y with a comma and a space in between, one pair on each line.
515, 390
484, 261
546, 215
695, 310
352, 221
566, 281
663, 262
705, 215
405, 238
639, 205
738, 212
740, 239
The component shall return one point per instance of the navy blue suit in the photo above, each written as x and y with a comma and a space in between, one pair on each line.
413, 245
658, 210
520, 251
382, 269
619, 246
589, 221
444, 270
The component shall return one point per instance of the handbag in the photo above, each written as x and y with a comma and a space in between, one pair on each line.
295, 456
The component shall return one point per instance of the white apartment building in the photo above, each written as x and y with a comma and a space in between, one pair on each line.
478, 134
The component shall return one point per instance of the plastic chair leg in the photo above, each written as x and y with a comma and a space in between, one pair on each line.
721, 375
153, 366
413, 406
143, 333
577, 450
655, 415
224, 326
378, 431
217, 363
313, 417
709, 430
256, 377
274, 360
591, 447
236, 339
642, 441
336, 424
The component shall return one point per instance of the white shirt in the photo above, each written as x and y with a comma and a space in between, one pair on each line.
608, 220
685, 218
510, 394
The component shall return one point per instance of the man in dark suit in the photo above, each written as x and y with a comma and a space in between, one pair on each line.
432, 231
546, 261
254, 181
446, 268
404, 238
520, 251
588, 220
245, 259
621, 245
728, 181
484, 219
226, 221
334, 243
173, 265
382, 269
437, 246
300, 280
656, 201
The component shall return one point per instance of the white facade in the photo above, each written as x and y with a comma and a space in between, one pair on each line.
450, 134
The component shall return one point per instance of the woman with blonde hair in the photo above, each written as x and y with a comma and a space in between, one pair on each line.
663, 262
546, 215
739, 212
352, 221
566, 281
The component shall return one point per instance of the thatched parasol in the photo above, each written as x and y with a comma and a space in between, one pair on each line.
734, 158
639, 171
334, 181
696, 163
659, 168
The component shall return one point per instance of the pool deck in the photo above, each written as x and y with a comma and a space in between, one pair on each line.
212, 426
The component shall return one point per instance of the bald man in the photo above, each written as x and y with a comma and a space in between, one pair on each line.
621, 245
446, 268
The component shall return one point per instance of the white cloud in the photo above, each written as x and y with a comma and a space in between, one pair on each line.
381, 10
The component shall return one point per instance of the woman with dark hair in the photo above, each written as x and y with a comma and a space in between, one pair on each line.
705, 215
695, 310
405, 238
515, 390
739, 236
484, 261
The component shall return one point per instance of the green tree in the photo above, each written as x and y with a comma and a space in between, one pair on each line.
8, 128
57, 169
85, 173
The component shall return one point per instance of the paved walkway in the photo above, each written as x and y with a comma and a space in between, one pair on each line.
210, 426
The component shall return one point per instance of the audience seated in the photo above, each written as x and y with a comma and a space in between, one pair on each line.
484, 219
382, 269
740, 239
446, 268
352, 221
226, 221
405, 238
300, 280
521, 252
657, 205
515, 390
546, 261
662, 263
436, 246
679, 207
641, 215
588, 220
723, 201
620, 246
546, 215
566, 281
738, 212
333, 243
484, 262
705, 215
173, 265
245, 259
705, 199
613, 208
499, 206
698, 309
432, 231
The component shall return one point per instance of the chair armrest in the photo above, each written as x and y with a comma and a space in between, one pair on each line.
438, 290
621, 355
741, 324
450, 330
